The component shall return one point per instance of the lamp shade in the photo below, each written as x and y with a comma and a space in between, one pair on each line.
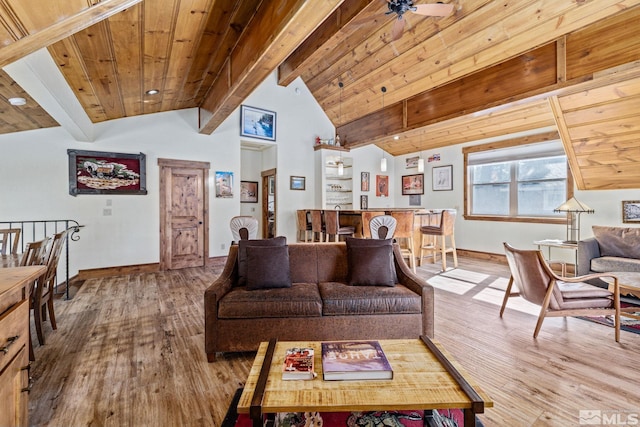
573, 205
420, 164
383, 164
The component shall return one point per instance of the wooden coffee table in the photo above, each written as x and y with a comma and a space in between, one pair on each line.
629, 284
425, 378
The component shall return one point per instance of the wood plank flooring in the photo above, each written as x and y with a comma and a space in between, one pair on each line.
129, 351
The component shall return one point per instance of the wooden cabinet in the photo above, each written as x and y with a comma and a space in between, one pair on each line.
14, 344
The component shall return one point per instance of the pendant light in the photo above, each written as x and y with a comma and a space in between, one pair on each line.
421, 159
383, 161
340, 162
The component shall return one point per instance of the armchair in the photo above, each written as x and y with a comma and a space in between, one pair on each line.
558, 296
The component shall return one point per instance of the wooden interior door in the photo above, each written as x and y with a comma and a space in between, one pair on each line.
268, 203
184, 219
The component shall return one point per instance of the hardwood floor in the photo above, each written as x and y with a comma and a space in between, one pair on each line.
129, 352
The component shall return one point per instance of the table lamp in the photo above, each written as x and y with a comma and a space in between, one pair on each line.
573, 208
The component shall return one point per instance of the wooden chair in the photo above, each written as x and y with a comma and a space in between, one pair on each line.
9, 238
382, 227
558, 296
429, 242
304, 226
44, 289
365, 219
244, 227
34, 254
404, 233
317, 225
333, 228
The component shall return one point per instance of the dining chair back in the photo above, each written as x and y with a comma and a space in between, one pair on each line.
365, 219
9, 241
382, 227
404, 235
558, 296
333, 227
244, 227
34, 254
44, 289
317, 225
304, 225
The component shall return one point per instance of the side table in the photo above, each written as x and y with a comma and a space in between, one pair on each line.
552, 243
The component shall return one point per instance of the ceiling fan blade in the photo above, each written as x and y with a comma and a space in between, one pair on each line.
398, 28
434, 9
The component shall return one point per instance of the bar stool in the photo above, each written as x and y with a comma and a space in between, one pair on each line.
404, 232
365, 219
382, 227
333, 228
446, 228
317, 225
304, 226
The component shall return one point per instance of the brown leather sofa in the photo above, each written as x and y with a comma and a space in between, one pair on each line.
320, 305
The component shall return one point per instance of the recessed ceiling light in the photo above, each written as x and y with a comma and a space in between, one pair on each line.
396, 137
17, 101
152, 92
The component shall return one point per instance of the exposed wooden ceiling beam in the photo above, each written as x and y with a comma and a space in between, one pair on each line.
62, 29
326, 37
267, 41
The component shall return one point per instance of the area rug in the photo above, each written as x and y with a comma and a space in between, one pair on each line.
626, 323
439, 418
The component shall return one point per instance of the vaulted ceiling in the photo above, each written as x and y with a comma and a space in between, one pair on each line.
491, 68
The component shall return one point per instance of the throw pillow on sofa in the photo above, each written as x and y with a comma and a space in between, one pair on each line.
268, 267
370, 262
618, 241
242, 254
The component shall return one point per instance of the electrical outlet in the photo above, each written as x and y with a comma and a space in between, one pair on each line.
106, 212
222, 246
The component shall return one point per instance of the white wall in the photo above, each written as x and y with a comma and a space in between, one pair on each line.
34, 171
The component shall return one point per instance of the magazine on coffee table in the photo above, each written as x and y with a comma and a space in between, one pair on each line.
298, 364
354, 360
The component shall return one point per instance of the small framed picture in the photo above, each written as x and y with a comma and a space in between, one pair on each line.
297, 183
257, 123
248, 192
364, 181
412, 162
382, 186
224, 185
442, 178
631, 211
413, 184
100, 172
364, 202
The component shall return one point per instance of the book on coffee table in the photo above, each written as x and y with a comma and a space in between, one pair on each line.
298, 364
354, 360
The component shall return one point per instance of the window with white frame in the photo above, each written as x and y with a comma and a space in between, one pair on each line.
522, 181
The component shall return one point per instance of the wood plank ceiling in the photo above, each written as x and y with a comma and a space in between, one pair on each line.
490, 69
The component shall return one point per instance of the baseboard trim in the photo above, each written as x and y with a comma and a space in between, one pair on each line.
485, 256
95, 273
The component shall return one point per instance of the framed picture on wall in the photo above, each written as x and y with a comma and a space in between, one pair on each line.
297, 183
224, 185
631, 211
257, 123
248, 192
382, 186
442, 178
364, 181
413, 184
364, 202
100, 172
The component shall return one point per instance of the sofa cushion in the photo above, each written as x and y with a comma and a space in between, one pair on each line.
268, 267
618, 241
242, 254
609, 263
370, 262
300, 300
339, 299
